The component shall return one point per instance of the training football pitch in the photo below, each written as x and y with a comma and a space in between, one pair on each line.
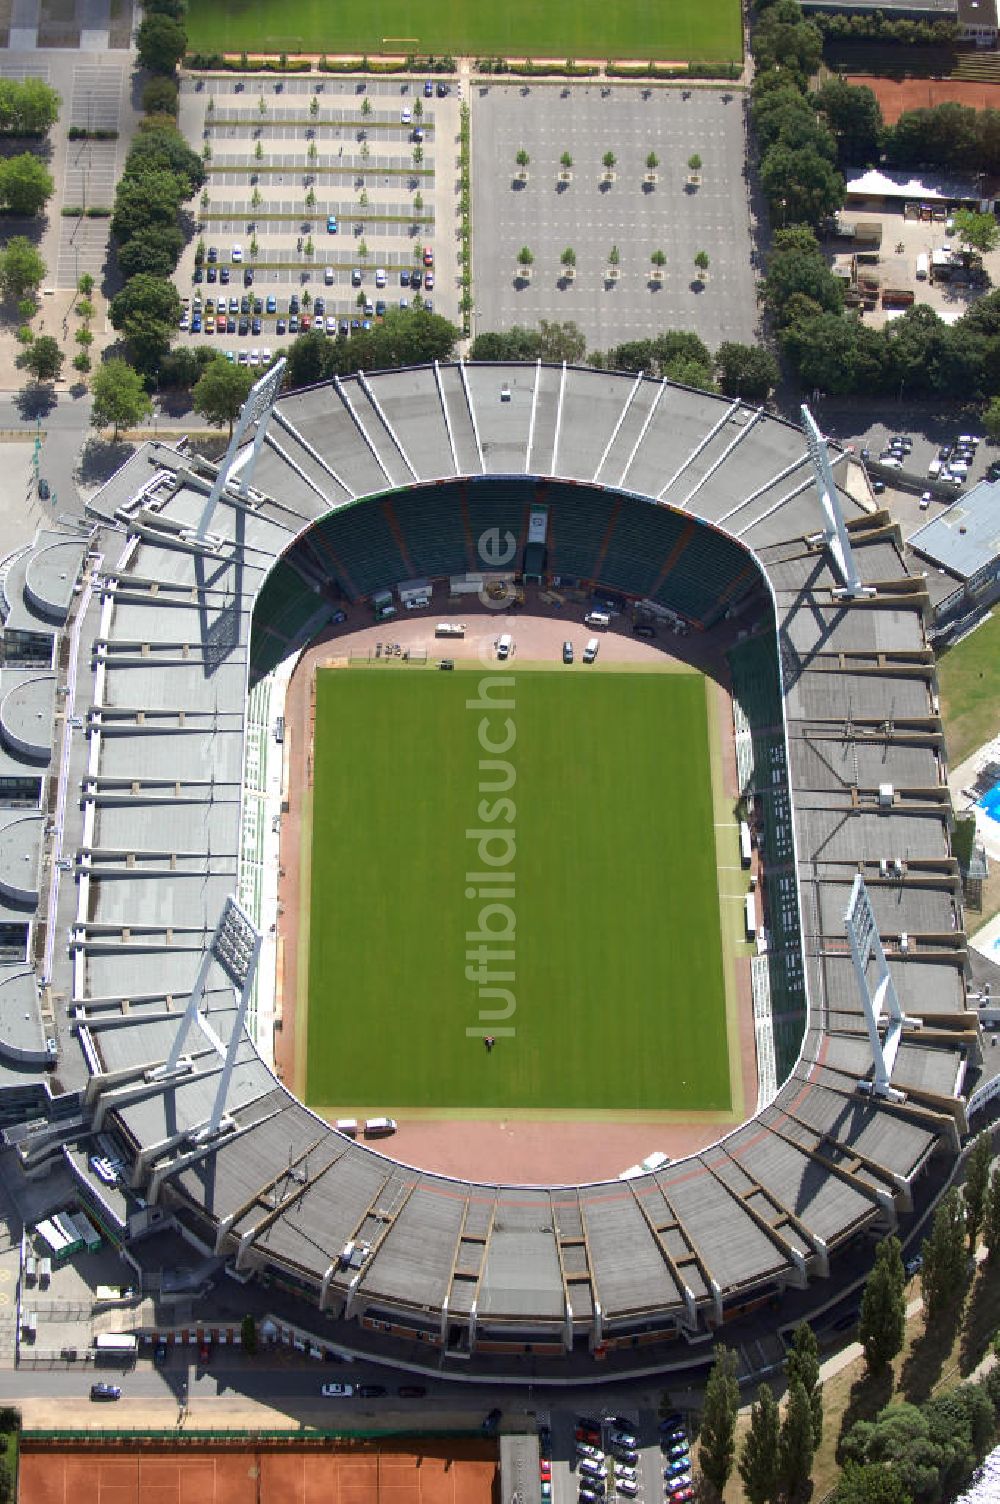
619, 998
560, 29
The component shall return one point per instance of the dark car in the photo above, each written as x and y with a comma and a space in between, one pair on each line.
223, 273
280, 327
244, 326
913, 1266
442, 91
256, 327
643, 629
247, 276
337, 618
231, 325
213, 253
567, 651
105, 1392
293, 303
370, 1391
411, 1391
319, 305
160, 1353
212, 274
199, 274
404, 277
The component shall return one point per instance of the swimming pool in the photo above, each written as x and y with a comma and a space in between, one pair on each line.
989, 803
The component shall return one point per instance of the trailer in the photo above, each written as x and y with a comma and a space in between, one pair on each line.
115, 1347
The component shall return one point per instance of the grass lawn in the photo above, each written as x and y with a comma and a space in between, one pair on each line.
620, 994
582, 29
969, 679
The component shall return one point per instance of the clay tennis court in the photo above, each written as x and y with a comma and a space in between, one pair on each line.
454, 1472
896, 95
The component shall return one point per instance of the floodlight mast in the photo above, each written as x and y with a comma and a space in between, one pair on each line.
256, 409
235, 945
866, 945
835, 531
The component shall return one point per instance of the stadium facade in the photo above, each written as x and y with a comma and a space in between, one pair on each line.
135, 663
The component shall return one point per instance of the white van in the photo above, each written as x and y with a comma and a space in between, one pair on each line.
379, 1127
348, 1126
591, 651
504, 645
923, 266
597, 619
450, 629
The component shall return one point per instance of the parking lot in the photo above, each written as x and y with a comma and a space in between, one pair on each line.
628, 1456
327, 197
590, 215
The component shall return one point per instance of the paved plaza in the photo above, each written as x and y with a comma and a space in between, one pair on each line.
591, 216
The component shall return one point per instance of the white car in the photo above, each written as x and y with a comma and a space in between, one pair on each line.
266, 355
380, 276
584, 1449
891, 462
255, 357
237, 254
629, 1473
337, 1391
404, 115
331, 324
627, 1486
417, 603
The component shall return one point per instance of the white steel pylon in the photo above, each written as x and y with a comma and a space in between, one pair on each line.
866, 945
256, 409
834, 532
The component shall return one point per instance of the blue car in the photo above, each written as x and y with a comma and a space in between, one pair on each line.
428, 89
196, 324
679, 1465
331, 224
272, 303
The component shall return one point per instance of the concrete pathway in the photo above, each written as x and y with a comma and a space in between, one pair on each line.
95, 24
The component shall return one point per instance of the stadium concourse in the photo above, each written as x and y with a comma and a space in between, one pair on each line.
195, 584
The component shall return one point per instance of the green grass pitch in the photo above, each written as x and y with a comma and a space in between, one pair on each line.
709, 32
620, 992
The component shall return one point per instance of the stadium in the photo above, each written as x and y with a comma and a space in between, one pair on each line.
145, 671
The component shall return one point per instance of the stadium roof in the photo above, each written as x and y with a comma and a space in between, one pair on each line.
162, 770
875, 182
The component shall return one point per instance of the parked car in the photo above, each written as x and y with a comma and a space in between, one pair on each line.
567, 651
272, 303
237, 254
337, 1391
331, 224
224, 274
105, 1392
370, 1391
429, 89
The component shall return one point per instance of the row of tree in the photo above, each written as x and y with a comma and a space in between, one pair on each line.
747, 371
775, 1460
28, 107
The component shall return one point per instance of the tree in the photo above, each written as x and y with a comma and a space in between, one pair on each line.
991, 1209
568, 260
566, 162
802, 187
43, 358
659, 261
248, 1335
614, 256
802, 1366
796, 265
946, 138
85, 286
525, 258
883, 1307
161, 42
561, 341
149, 203
943, 1276
609, 159
701, 263
758, 1464
222, 391
25, 184
854, 116
147, 311
991, 424
717, 1432
120, 399
747, 371
652, 162
522, 159
28, 107
160, 147
155, 250
21, 268
870, 1483
977, 1179
694, 162
977, 231
159, 96
783, 39
795, 1446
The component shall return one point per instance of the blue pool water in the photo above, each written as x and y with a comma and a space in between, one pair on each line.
990, 802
